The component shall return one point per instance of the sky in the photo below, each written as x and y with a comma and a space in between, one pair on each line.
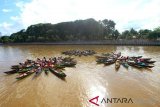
19, 14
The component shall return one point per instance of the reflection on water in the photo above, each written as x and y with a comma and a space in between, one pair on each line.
84, 82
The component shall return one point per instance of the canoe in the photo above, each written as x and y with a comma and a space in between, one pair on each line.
99, 61
135, 57
134, 64
117, 64
110, 61
145, 65
149, 66
22, 67
46, 71
38, 72
137, 66
15, 66
145, 59
59, 74
11, 72
149, 62
24, 70
125, 64
58, 66
21, 76
68, 64
68, 59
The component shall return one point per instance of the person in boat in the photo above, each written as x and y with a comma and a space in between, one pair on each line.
38, 69
50, 62
24, 74
38, 60
43, 59
138, 60
54, 60
141, 59
60, 59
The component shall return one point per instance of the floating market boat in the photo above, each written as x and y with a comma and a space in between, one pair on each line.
23, 75
52, 64
11, 72
59, 74
46, 71
109, 61
125, 64
79, 52
68, 64
117, 64
145, 65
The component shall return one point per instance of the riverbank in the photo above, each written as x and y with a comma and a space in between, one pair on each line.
104, 42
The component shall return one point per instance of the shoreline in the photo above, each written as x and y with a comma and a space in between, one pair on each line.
104, 42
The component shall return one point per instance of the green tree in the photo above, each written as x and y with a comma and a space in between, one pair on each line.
109, 28
126, 35
5, 39
116, 34
155, 34
144, 33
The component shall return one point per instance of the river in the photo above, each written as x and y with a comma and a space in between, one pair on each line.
84, 82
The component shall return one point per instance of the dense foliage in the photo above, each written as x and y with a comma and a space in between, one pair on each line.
79, 30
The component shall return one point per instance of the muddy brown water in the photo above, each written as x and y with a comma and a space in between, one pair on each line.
87, 80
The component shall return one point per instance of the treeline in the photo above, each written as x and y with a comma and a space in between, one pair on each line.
79, 30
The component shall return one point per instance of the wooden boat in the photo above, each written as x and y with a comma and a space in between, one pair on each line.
59, 74
117, 64
110, 61
140, 64
68, 64
46, 71
21, 67
145, 59
137, 66
23, 75
68, 59
24, 70
149, 66
15, 66
11, 72
125, 64
134, 64
100, 61
38, 72
58, 66
108, 56
148, 61
145, 65
135, 57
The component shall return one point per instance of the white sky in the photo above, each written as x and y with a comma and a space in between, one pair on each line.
139, 14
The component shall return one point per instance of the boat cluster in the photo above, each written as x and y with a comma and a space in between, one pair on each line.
55, 65
126, 61
79, 52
